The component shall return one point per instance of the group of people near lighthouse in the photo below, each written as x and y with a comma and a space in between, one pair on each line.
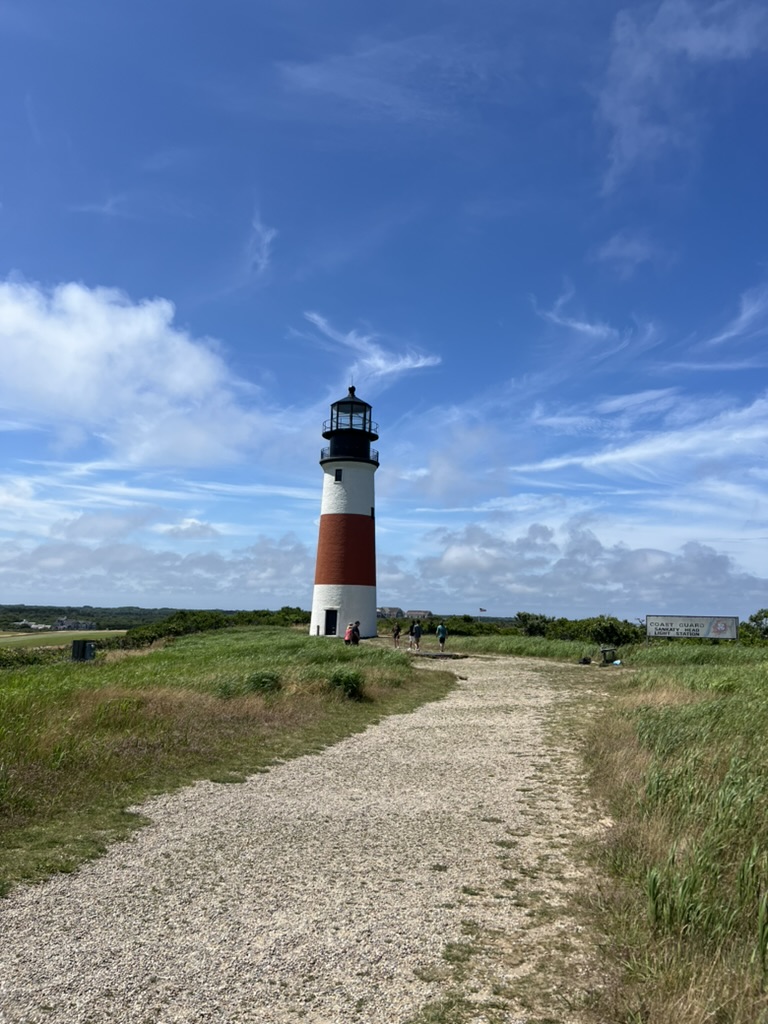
415, 634
352, 633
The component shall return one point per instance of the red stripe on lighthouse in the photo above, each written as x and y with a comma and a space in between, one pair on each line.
346, 550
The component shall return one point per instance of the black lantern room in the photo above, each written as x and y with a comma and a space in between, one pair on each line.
350, 431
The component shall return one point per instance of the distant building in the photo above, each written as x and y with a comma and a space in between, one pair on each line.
73, 624
418, 615
390, 613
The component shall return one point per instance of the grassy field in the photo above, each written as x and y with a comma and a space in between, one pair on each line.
679, 755
516, 646
80, 742
57, 638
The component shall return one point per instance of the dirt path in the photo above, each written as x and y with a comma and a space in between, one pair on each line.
417, 872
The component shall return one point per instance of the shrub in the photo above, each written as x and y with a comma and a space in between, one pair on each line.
17, 657
349, 681
263, 682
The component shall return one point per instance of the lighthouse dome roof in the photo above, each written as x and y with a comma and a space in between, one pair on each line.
352, 397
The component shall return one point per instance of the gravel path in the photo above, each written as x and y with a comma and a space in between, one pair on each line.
325, 890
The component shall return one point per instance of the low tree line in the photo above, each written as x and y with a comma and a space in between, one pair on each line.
605, 630
600, 629
124, 617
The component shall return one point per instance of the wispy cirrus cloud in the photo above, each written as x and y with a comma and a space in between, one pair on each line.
750, 322
419, 78
599, 341
626, 251
643, 100
373, 361
116, 205
136, 205
258, 250
595, 330
732, 435
609, 417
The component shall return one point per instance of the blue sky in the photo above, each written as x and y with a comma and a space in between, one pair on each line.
534, 235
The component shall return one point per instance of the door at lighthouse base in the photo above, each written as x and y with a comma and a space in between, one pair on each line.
331, 621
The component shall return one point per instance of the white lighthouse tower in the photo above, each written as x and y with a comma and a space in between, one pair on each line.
345, 573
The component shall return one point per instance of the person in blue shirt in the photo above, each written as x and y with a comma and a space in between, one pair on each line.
442, 633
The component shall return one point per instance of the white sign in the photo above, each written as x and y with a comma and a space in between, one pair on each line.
713, 627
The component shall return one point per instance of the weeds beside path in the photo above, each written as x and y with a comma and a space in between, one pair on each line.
422, 871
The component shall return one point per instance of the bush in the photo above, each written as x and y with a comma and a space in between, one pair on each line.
17, 657
263, 682
183, 623
349, 681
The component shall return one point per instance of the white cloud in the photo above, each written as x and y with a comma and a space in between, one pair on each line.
655, 400
82, 362
596, 330
373, 362
114, 574
191, 529
93, 528
751, 320
624, 252
571, 572
116, 205
259, 247
419, 79
643, 101
599, 341
732, 434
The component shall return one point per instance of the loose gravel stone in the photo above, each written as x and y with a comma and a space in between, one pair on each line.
324, 890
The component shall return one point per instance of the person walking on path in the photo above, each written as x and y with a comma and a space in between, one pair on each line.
410, 635
396, 634
442, 633
417, 635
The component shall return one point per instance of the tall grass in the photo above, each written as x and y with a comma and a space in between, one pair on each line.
520, 646
695, 652
680, 755
81, 741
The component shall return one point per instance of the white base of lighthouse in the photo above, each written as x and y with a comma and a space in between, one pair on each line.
334, 605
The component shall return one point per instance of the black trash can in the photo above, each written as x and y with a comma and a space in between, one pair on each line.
83, 650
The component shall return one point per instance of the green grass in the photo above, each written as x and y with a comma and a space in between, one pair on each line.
80, 742
58, 638
680, 757
516, 646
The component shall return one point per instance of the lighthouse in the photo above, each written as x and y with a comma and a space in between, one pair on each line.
345, 572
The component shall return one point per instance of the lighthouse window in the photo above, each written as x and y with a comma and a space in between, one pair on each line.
337, 476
